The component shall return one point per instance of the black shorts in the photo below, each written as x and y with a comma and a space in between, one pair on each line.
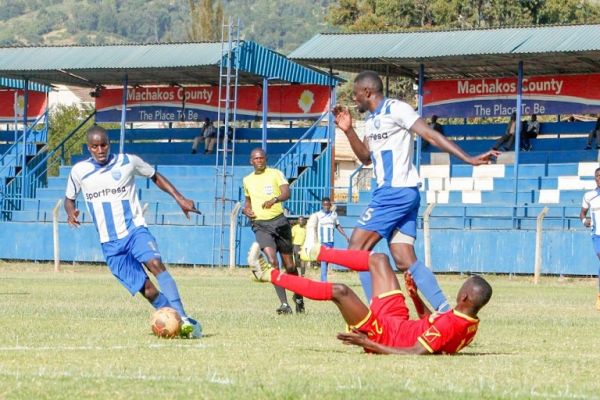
275, 233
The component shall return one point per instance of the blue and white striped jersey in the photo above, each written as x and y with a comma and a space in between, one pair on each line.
391, 143
326, 224
591, 201
110, 194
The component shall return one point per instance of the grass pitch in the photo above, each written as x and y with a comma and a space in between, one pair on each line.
78, 334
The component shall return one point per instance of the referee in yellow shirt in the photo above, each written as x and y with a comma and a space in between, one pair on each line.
265, 190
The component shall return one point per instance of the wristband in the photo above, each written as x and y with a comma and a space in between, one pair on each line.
583, 220
276, 199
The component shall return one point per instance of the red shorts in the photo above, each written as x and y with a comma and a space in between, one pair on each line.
387, 322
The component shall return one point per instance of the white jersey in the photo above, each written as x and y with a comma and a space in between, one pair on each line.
110, 194
326, 224
591, 201
391, 143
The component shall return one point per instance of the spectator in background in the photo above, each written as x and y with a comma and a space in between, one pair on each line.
298, 237
594, 132
208, 135
507, 140
200, 137
436, 126
571, 119
529, 130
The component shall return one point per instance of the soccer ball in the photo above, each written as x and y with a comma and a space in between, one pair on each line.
166, 323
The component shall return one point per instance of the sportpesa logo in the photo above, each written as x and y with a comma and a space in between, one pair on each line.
105, 192
378, 136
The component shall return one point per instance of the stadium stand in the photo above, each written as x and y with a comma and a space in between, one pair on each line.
193, 174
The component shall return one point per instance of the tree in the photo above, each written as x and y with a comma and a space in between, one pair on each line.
205, 21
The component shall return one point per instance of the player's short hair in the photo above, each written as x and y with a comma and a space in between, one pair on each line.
371, 80
258, 150
480, 290
596, 171
325, 199
95, 130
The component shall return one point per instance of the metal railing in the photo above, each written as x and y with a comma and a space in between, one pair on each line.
25, 184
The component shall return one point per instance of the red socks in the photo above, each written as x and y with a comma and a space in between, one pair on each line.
302, 286
356, 260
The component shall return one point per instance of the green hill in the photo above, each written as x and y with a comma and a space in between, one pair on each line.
281, 24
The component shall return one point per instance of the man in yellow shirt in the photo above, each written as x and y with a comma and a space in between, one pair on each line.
298, 236
265, 190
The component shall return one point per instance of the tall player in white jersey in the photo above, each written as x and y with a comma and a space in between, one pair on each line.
591, 202
107, 182
392, 212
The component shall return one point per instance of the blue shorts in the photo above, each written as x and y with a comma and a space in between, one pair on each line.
390, 209
125, 257
596, 242
327, 244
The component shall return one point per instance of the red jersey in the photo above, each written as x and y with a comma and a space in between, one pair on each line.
387, 323
449, 332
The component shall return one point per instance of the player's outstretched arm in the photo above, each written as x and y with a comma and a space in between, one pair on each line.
72, 212
360, 339
187, 205
441, 142
343, 120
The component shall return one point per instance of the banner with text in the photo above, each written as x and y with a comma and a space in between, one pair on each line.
12, 104
175, 104
496, 97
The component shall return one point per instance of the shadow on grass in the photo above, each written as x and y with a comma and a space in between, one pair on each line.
15, 294
342, 351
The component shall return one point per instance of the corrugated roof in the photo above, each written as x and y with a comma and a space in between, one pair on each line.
459, 53
182, 63
20, 84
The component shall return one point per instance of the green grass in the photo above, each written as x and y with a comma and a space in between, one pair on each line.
78, 334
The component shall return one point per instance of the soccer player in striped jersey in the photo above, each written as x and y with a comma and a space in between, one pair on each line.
327, 222
392, 212
107, 183
591, 202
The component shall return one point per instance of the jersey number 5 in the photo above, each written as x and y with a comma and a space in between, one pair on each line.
367, 215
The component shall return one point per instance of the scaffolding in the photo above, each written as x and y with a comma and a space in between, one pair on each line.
225, 146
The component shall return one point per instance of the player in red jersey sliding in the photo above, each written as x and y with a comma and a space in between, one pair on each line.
384, 327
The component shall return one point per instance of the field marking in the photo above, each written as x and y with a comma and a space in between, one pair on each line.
101, 348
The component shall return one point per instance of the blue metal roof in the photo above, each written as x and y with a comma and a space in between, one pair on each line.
264, 62
459, 53
179, 63
20, 84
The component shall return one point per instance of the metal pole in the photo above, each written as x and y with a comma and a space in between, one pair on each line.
265, 111
387, 81
537, 269
23, 158
420, 107
123, 117
517, 139
56, 236
331, 140
16, 105
427, 234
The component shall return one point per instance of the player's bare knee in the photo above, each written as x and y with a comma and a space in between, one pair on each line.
155, 266
339, 291
378, 261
